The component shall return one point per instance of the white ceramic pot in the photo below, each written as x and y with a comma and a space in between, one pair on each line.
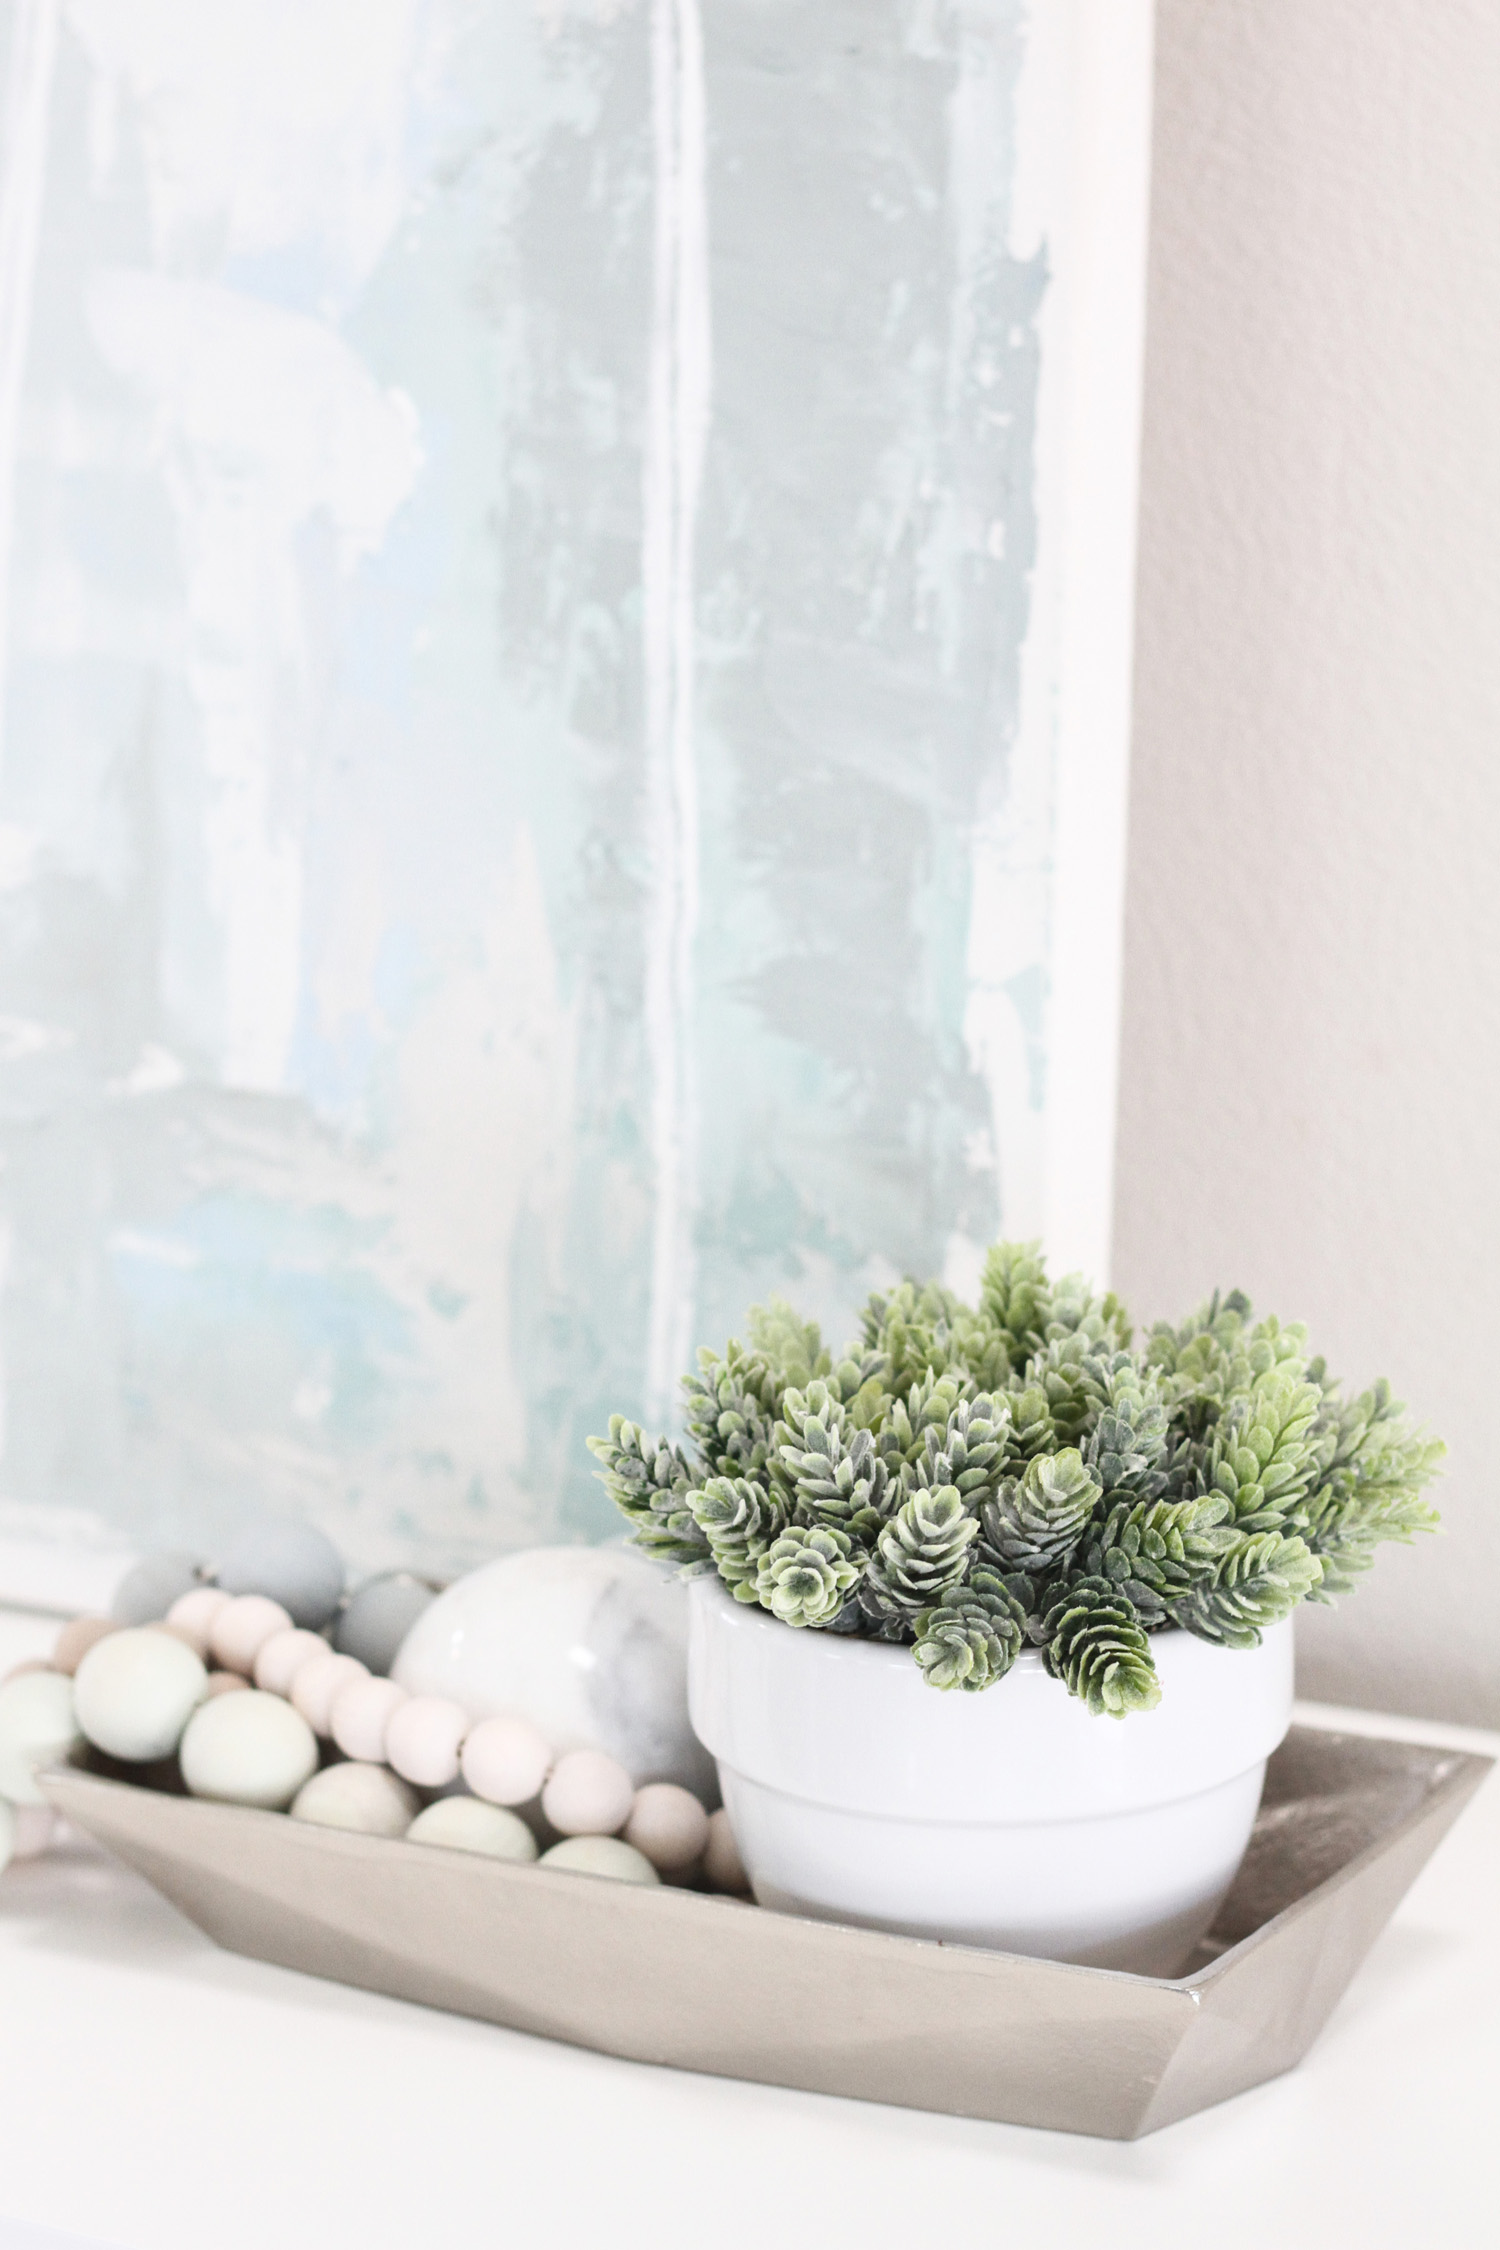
1012, 1819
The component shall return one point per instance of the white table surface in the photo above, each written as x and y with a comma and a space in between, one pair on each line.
157, 2094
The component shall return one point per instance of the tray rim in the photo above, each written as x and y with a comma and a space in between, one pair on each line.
1466, 1770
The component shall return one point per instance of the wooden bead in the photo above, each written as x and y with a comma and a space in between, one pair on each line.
588, 1794
505, 1760
76, 1639
316, 1683
722, 1864
192, 1616
241, 1629
669, 1825
359, 1715
282, 1657
423, 1737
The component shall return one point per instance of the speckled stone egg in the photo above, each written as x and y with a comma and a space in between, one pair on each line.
134, 1693
38, 1727
249, 1749
148, 1590
294, 1563
588, 1643
378, 1616
466, 1824
357, 1796
601, 1855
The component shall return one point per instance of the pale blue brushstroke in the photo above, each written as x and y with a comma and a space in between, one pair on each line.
475, 686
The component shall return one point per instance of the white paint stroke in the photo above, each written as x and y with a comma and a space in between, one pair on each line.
677, 430
268, 420
1049, 856
23, 172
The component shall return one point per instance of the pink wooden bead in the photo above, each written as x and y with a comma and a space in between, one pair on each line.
669, 1825
282, 1657
241, 1629
722, 1864
359, 1716
225, 1683
192, 1615
588, 1794
423, 1738
318, 1681
76, 1639
505, 1760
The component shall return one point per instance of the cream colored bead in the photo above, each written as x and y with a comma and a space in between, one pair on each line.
423, 1738
192, 1616
359, 1715
316, 1683
241, 1629
505, 1760
282, 1657
588, 1794
669, 1825
722, 1865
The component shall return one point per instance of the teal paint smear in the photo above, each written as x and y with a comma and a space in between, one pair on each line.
462, 716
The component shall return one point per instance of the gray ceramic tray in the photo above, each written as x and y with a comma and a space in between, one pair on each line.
669, 1976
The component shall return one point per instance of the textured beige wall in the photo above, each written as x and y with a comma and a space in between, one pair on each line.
1311, 1042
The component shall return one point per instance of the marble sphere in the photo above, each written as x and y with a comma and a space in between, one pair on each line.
294, 1563
148, 1590
588, 1643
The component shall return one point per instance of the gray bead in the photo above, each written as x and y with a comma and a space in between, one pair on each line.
294, 1563
378, 1616
147, 1592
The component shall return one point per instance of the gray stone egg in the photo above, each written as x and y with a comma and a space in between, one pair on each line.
378, 1616
293, 1563
148, 1590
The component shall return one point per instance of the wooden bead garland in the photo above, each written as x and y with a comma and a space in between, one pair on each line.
143, 1692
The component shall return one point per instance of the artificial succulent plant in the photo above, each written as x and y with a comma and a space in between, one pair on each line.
970, 1480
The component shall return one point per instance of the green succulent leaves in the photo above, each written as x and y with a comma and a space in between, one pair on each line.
965, 1480
804, 1576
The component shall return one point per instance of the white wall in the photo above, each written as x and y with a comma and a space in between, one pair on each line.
1311, 1042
